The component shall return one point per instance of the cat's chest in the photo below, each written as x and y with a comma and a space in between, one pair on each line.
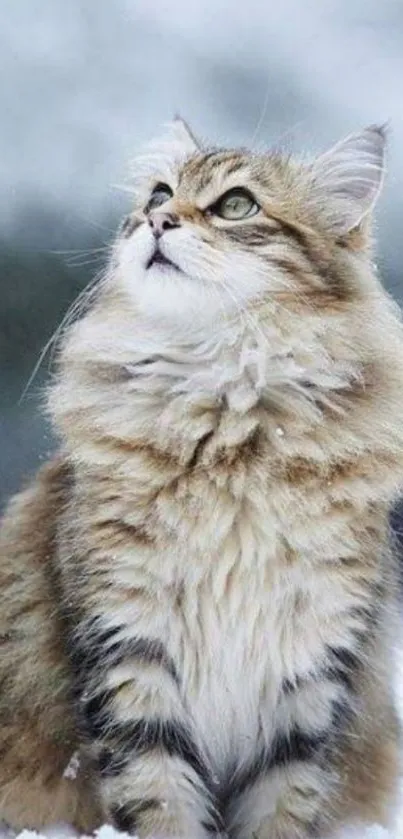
243, 613
240, 640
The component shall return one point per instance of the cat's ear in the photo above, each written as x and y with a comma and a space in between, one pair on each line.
161, 155
184, 134
177, 141
348, 178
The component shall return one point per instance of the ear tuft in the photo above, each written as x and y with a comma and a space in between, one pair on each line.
160, 157
176, 141
349, 177
184, 133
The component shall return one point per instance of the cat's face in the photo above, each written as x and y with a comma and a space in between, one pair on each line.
206, 236
213, 231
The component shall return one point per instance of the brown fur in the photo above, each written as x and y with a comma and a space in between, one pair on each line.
38, 733
240, 530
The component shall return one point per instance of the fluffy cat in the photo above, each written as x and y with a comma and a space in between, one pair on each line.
199, 593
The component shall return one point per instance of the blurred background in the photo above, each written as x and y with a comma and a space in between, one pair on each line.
86, 82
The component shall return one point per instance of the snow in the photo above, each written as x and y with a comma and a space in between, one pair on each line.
63, 831
107, 832
72, 767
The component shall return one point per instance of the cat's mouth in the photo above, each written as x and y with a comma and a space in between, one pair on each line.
159, 258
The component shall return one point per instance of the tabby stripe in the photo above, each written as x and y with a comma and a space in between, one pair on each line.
134, 739
98, 653
299, 235
291, 686
298, 745
251, 234
343, 711
215, 826
90, 651
128, 226
125, 816
196, 164
343, 666
111, 763
153, 651
235, 166
98, 715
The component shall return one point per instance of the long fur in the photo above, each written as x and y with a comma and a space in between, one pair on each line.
199, 595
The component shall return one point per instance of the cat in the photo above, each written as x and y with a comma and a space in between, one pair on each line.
199, 592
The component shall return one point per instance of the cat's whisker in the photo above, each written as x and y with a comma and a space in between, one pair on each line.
262, 115
248, 316
36, 368
77, 262
74, 311
80, 251
231, 437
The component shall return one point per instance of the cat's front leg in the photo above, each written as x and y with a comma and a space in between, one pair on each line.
290, 789
153, 780
289, 803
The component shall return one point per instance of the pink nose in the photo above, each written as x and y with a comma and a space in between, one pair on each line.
160, 222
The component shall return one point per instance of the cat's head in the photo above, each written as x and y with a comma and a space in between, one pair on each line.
214, 231
241, 281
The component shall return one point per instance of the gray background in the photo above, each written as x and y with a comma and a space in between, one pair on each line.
84, 83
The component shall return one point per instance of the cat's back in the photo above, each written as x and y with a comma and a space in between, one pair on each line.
37, 730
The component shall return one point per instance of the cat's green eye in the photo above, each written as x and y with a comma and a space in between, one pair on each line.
160, 194
236, 204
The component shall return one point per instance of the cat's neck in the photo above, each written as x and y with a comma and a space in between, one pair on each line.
147, 388
241, 364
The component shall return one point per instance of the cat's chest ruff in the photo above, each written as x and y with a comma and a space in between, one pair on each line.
239, 641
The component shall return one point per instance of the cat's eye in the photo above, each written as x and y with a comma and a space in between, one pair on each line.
160, 194
236, 204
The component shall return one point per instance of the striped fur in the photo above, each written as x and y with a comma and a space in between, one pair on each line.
199, 595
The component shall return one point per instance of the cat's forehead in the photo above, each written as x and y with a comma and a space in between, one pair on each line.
207, 171
201, 175
200, 167
217, 169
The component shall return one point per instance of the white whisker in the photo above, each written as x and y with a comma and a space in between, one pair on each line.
73, 312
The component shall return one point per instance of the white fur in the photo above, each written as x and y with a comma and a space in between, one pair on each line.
182, 343
161, 158
211, 285
350, 177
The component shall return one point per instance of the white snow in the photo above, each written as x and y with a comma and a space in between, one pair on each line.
63, 831
72, 767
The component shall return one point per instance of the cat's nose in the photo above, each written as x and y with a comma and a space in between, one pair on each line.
161, 221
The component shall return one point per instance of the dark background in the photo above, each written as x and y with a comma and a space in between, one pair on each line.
86, 82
